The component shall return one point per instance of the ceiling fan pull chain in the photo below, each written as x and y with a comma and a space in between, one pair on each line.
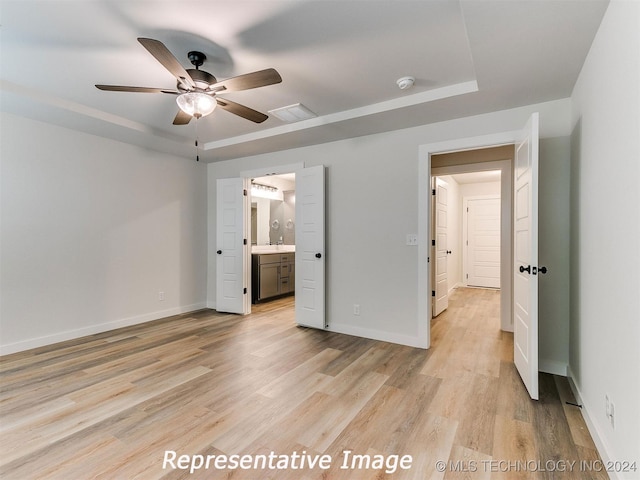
197, 149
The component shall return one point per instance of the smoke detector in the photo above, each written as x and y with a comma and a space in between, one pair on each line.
405, 82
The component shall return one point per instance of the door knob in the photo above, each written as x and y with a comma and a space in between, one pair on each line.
525, 269
448, 252
318, 255
219, 252
542, 269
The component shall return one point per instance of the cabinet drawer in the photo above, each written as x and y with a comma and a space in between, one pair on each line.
268, 258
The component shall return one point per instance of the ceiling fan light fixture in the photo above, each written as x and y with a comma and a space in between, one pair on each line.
196, 104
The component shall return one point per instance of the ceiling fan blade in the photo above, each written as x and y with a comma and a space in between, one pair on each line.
168, 61
182, 118
242, 111
261, 78
122, 88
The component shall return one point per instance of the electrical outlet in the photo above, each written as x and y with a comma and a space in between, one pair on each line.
610, 410
356, 309
161, 296
412, 239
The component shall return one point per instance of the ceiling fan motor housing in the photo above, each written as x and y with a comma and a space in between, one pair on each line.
201, 78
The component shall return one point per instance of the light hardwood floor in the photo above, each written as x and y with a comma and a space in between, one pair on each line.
110, 405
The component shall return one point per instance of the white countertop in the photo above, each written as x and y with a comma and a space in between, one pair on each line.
273, 248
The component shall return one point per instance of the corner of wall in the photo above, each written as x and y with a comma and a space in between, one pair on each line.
587, 413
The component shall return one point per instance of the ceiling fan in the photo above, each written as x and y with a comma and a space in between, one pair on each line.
197, 91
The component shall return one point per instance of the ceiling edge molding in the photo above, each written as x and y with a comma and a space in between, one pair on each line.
79, 109
388, 105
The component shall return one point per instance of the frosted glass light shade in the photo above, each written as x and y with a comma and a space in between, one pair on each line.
196, 104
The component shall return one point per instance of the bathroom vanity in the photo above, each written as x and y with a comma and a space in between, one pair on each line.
272, 275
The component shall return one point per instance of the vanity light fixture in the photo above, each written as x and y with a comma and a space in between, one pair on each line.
265, 188
265, 191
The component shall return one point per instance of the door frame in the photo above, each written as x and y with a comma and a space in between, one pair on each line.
424, 220
247, 175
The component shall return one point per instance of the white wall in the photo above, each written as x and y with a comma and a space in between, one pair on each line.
475, 189
92, 230
605, 228
371, 204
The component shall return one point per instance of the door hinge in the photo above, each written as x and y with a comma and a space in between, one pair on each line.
433, 192
433, 293
245, 290
244, 241
244, 192
433, 243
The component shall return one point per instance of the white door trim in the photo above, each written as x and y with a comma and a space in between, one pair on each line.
424, 218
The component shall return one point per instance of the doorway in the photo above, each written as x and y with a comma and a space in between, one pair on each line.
234, 249
466, 228
272, 233
450, 166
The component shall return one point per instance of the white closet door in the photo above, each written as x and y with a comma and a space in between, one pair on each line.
230, 235
310, 251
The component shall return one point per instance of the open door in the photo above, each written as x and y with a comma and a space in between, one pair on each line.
310, 253
525, 287
441, 299
230, 246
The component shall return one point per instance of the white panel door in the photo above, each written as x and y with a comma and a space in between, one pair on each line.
441, 300
483, 242
525, 288
310, 253
230, 235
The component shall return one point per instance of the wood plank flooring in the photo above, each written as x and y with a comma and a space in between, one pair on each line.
110, 405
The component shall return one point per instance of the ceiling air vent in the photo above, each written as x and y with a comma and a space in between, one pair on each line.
293, 113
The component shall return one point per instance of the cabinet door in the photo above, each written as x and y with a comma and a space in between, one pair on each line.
269, 280
292, 275
285, 286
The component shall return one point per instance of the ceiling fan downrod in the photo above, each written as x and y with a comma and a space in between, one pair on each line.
196, 58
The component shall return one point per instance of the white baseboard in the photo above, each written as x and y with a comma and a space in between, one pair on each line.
93, 329
598, 439
552, 366
457, 285
411, 341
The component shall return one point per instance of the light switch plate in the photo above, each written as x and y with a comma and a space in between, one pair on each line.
412, 239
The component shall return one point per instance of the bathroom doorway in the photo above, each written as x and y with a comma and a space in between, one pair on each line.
272, 273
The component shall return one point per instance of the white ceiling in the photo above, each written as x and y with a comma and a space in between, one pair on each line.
339, 58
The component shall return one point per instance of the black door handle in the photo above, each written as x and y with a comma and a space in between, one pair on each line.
318, 255
542, 269
219, 252
448, 252
525, 269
